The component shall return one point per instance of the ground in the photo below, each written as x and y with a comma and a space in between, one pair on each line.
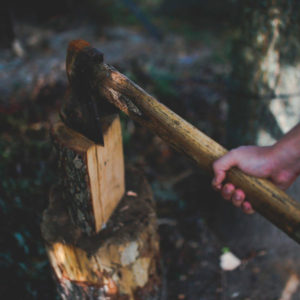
187, 74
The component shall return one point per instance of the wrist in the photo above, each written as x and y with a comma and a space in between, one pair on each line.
285, 154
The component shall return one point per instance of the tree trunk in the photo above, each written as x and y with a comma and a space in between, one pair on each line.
120, 262
265, 98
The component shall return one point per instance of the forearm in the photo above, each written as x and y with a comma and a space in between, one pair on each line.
291, 140
287, 149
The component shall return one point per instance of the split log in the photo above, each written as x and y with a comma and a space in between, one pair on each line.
120, 262
92, 175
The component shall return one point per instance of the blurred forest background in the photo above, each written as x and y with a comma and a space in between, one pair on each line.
229, 67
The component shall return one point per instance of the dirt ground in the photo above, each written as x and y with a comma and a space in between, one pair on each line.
189, 76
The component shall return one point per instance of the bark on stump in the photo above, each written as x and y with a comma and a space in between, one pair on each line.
120, 262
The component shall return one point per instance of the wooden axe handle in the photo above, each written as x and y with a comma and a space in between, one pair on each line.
271, 202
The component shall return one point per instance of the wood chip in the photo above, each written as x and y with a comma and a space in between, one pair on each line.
290, 288
124, 208
131, 193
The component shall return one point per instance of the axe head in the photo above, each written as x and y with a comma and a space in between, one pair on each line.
85, 109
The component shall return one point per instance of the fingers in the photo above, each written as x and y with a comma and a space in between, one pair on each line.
247, 208
221, 166
218, 179
228, 191
237, 197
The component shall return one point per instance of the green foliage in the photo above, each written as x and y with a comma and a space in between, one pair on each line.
225, 250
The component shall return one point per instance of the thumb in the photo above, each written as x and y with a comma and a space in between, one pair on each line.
221, 166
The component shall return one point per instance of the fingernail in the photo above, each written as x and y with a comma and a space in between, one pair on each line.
237, 198
247, 206
226, 191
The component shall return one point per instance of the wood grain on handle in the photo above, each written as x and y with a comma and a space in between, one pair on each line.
107, 82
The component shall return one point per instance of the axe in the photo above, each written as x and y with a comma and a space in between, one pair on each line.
109, 88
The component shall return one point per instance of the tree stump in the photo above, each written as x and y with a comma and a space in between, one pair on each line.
120, 262
94, 254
